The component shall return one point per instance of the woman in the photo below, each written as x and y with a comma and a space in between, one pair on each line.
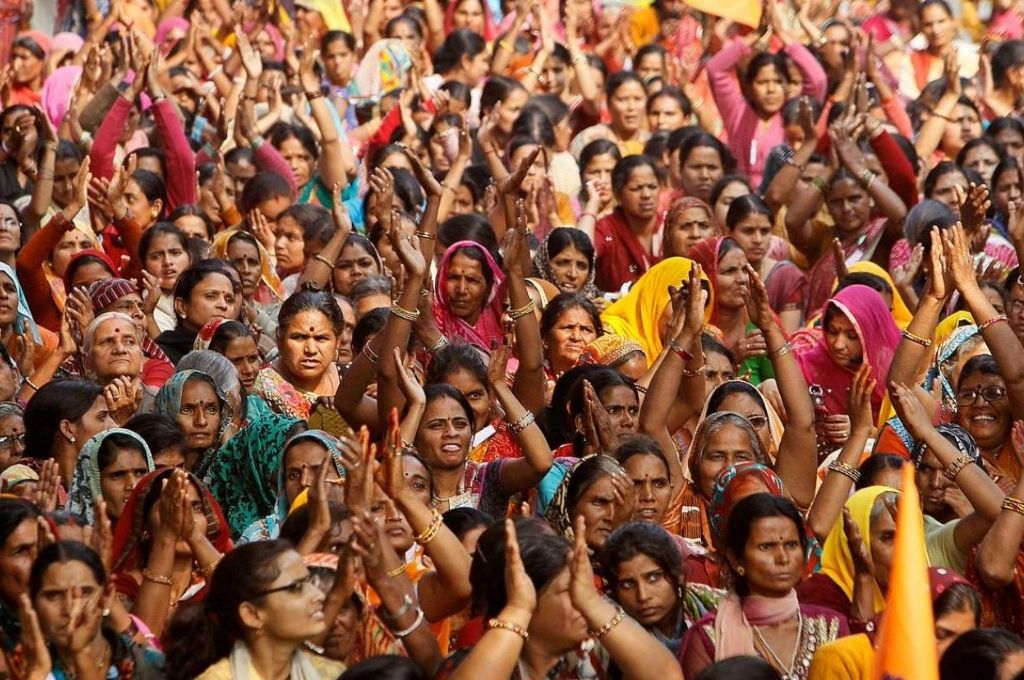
566, 259
531, 585
122, 295
597, 160
643, 569
73, 623
628, 240
309, 325
468, 293
17, 325
235, 341
703, 162
28, 59
261, 286
765, 545
569, 323
615, 351
204, 291
627, 99
109, 467
203, 413
598, 490
260, 599
688, 222
164, 254
357, 260
19, 541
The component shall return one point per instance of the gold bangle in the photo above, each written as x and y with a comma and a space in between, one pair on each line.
846, 470
917, 339
958, 464
695, 372
157, 578
608, 627
528, 308
208, 569
780, 352
403, 313
424, 234
498, 624
505, 46
321, 258
397, 571
1013, 505
431, 531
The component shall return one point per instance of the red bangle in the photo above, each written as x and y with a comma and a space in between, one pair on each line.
680, 351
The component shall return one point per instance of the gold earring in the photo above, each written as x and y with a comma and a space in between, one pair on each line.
741, 571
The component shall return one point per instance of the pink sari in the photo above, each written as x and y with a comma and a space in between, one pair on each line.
488, 325
879, 336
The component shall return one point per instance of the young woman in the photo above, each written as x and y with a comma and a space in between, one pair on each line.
628, 239
627, 99
204, 291
566, 259
164, 255
109, 467
597, 160
19, 540
702, 160
688, 222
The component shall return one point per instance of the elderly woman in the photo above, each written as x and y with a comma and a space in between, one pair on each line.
122, 295
468, 291
203, 412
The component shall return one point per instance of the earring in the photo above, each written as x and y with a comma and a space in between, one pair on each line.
106, 612
71, 439
741, 571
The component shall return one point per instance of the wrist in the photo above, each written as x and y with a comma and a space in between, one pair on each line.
517, 614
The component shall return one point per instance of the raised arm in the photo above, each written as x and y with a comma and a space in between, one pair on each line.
997, 555
786, 180
333, 168
180, 160
930, 135
528, 385
320, 269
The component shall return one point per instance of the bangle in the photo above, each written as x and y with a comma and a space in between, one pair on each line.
780, 352
208, 569
524, 422
400, 634
866, 178
586, 213
995, 319
424, 234
679, 350
505, 46
535, 72
845, 470
28, 381
310, 96
370, 354
51, 145
321, 258
441, 343
256, 142
798, 166
528, 308
641, 389
1013, 505
917, 339
156, 578
397, 571
695, 372
608, 627
948, 119
958, 464
498, 624
431, 531
403, 313
407, 605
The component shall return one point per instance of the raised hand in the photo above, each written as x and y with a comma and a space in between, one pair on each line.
519, 588
38, 664
251, 60
123, 399
582, 591
904, 275
513, 184
45, 496
910, 410
407, 247
758, 307
940, 282
958, 258
859, 404
411, 388
862, 563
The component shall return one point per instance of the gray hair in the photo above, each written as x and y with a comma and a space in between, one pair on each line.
89, 337
218, 367
371, 285
11, 408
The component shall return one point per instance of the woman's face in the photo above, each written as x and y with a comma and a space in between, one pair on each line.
465, 287
245, 258
555, 620
475, 393
146, 212
1005, 188
245, 357
299, 159
8, 301
199, 415
882, 542
302, 462
700, 171
688, 228
475, 69
639, 196
626, 106
768, 90
308, 345
982, 159
731, 284
571, 269
647, 592
849, 205
401, 30
937, 26
945, 188
119, 478
116, 350
469, 14
728, 445
966, 127
16, 557
354, 264
951, 625
289, 245
74, 241
653, 487
212, 298
294, 613
623, 408
462, 201
773, 557
89, 273
10, 230
509, 109
27, 66
599, 171
193, 226
556, 75
749, 407
537, 173
754, 234
844, 342
56, 602
97, 419
730, 193
444, 434
166, 258
566, 340
1012, 141
987, 421
719, 370
339, 62
598, 505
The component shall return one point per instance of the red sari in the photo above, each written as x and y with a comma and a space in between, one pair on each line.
621, 258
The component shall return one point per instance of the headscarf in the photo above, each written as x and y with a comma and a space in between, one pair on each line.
168, 402
19, 473
559, 514
954, 335
637, 315
66, 42
205, 335
38, 37
608, 350
951, 323
133, 525
546, 291
879, 337
488, 326
56, 93
836, 560
710, 424
165, 27
900, 313
331, 11
106, 292
271, 281
734, 483
776, 428
85, 483
23, 321
958, 437
490, 30
82, 254
683, 204
542, 260
707, 253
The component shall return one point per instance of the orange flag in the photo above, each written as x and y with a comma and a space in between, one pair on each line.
746, 12
906, 641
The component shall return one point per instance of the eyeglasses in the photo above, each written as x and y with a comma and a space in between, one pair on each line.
990, 394
9, 440
295, 587
758, 422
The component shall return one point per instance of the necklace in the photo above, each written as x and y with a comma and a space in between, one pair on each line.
797, 665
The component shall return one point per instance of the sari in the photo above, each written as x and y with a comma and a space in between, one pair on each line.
620, 257
901, 314
542, 267
637, 315
488, 326
23, 320
85, 482
879, 337
608, 350
168, 402
270, 289
855, 249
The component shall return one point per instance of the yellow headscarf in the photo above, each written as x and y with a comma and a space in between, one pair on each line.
900, 312
637, 315
836, 559
332, 12
950, 324
219, 249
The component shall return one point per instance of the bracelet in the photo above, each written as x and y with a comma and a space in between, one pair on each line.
798, 166
958, 464
321, 258
586, 213
425, 234
866, 178
403, 313
28, 381
310, 96
917, 339
524, 422
1013, 505
846, 470
400, 634
397, 571
995, 319
608, 627
156, 578
256, 142
51, 145
780, 352
694, 373
528, 308
505, 46
641, 389
431, 531
535, 72
509, 626
407, 605
370, 354
697, 104
679, 350
441, 343
207, 571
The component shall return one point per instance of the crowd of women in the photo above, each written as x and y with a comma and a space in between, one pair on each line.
508, 338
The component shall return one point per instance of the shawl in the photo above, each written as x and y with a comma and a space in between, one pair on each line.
637, 315
681, 205
836, 560
542, 264
558, 514
869, 314
271, 288
23, 321
168, 402
734, 632
608, 350
900, 312
955, 338
106, 292
490, 30
57, 91
958, 437
85, 482
488, 326
303, 665
282, 396
132, 530
735, 483
707, 254
621, 258
165, 28
16, 474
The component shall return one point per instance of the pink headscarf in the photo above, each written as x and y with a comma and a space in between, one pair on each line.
57, 91
879, 336
40, 38
449, 20
67, 42
488, 325
166, 27
276, 38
